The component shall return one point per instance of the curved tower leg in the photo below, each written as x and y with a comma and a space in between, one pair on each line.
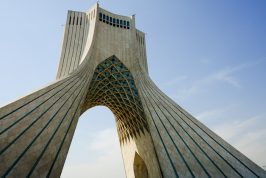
36, 130
185, 147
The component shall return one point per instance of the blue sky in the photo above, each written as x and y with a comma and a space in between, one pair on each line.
209, 56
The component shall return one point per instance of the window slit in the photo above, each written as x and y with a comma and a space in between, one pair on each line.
69, 20
73, 23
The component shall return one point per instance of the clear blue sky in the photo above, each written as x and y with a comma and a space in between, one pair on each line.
209, 56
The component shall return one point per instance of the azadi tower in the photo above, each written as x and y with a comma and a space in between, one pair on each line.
103, 62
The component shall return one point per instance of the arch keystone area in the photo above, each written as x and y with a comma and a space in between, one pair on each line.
103, 62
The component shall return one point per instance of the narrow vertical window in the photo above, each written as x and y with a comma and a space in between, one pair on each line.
73, 23
127, 24
101, 16
69, 20
124, 24
107, 19
80, 20
77, 22
117, 22
121, 23
111, 21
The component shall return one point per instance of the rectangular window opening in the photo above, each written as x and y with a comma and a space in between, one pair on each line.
124, 24
69, 20
121, 23
107, 19
111, 21
101, 16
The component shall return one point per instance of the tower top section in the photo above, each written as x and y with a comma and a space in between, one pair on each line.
113, 19
99, 33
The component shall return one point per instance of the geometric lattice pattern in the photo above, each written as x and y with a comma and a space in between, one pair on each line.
113, 86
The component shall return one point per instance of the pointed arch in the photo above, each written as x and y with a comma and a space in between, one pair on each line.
140, 168
113, 86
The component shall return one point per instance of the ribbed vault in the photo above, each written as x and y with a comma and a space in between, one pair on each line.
113, 86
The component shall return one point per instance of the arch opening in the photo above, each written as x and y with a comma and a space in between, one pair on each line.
113, 86
140, 168
95, 150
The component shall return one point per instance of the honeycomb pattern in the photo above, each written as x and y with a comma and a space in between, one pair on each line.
113, 86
